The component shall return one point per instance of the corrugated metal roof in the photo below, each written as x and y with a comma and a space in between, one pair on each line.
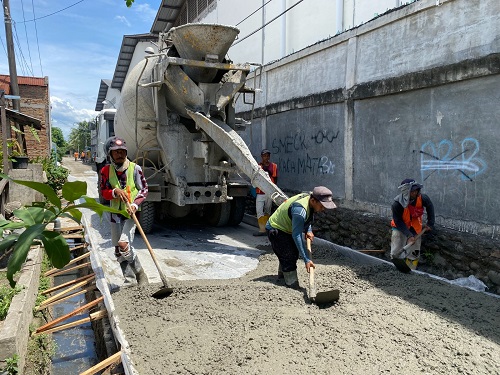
167, 15
28, 81
126, 52
103, 90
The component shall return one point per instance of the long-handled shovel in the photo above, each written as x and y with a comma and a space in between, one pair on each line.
400, 263
166, 290
321, 297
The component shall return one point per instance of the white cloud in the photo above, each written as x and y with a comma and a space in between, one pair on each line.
124, 20
65, 115
145, 12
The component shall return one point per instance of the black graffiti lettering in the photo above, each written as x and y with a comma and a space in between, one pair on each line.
321, 136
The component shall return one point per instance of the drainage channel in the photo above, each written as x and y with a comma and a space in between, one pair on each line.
78, 323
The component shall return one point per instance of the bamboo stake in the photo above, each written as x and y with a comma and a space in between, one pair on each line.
68, 229
94, 316
70, 269
53, 289
79, 247
73, 261
115, 358
69, 315
64, 292
45, 305
72, 235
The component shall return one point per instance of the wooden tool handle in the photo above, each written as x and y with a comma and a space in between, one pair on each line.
406, 247
151, 252
312, 285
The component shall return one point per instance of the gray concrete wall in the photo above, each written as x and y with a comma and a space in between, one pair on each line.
413, 93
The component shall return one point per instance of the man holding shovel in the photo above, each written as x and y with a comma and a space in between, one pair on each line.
407, 211
116, 178
286, 226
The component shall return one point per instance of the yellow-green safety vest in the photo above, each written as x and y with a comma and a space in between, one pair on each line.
281, 218
113, 180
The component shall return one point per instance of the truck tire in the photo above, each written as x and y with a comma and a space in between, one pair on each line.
237, 211
147, 216
217, 215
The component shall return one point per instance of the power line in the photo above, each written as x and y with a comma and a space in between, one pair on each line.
27, 39
36, 35
51, 14
22, 58
251, 14
267, 23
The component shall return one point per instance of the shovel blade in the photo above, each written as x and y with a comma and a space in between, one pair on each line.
326, 297
401, 265
163, 293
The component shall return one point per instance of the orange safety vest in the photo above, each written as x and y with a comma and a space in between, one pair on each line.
412, 216
273, 169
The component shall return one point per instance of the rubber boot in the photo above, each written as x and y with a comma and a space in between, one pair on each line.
291, 279
128, 273
262, 226
280, 273
140, 275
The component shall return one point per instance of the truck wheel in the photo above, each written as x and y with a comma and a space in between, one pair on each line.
217, 215
237, 211
147, 216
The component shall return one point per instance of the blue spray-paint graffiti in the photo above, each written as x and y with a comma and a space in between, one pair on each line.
443, 159
299, 163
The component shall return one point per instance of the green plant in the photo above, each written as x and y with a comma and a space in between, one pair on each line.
11, 365
56, 175
41, 348
43, 285
34, 219
6, 295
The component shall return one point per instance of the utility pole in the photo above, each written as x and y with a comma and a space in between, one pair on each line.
3, 116
11, 56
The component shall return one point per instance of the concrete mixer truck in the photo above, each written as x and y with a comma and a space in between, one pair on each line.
177, 115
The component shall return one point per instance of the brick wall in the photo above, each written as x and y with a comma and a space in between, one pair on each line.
35, 103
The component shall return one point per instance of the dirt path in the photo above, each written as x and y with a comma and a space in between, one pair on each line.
385, 322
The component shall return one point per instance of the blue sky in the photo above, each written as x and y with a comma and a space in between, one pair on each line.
76, 44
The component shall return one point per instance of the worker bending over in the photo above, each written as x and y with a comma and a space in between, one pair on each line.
286, 226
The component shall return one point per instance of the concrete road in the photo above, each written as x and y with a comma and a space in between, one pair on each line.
184, 252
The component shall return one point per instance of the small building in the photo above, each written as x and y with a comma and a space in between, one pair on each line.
35, 102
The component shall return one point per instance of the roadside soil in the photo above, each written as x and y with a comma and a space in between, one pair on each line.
384, 322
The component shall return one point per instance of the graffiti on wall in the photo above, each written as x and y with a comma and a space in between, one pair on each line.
445, 160
295, 157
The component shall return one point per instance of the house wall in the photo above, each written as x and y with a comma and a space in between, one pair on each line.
35, 103
304, 24
413, 93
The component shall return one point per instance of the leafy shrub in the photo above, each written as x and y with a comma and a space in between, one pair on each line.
6, 295
56, 175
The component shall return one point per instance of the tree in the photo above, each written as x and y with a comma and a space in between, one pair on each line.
129, 3
79, 137
58, 140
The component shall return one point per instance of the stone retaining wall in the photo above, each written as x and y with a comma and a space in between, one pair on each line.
445, 252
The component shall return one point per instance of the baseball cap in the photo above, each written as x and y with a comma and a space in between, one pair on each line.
324, 195
265, 151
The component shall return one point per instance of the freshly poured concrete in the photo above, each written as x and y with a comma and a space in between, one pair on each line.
385, 321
